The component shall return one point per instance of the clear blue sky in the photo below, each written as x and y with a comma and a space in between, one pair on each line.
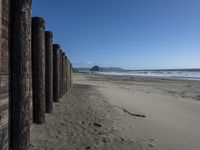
133, 34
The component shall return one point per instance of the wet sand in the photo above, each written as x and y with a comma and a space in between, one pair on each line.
109, 112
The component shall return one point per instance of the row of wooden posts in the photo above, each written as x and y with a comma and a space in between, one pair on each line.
40, 73
51, 71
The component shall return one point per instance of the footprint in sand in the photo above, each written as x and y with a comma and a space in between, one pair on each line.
62, 124
88, 148
106, 140
97, 125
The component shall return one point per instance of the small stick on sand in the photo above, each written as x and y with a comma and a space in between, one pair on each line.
130, 113
133, 114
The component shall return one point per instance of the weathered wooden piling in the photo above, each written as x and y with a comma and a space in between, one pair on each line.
60, 73
56, 50
58, 53
4, 73
63, 73
20, 74
38, 69
67, 72
71, 71
49, 71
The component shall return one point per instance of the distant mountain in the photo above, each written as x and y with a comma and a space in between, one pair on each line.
98, 68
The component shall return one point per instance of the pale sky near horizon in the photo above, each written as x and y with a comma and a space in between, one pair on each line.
132, 34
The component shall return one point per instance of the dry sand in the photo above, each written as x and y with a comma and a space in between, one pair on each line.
122, 113
83, 120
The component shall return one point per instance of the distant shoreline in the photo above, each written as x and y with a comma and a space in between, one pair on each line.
178, 69
179, 74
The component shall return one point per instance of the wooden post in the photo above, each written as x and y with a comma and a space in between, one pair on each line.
67, 75
20, 75
4, 73
71, 71
49, 71
70, 74
61, 73
38, 69
56, 55
67, 79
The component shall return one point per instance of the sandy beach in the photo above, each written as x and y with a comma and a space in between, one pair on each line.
121, 113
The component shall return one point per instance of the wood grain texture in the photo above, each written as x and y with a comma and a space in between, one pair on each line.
21, 74
49, 71
61, 77
4, 74
38, 69
67, 75
56, 51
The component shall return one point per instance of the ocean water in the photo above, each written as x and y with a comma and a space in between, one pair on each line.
186, 74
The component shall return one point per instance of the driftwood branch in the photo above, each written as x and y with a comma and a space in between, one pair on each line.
133, 114
130, 113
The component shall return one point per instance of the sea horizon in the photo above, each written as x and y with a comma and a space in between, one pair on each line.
180, 74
